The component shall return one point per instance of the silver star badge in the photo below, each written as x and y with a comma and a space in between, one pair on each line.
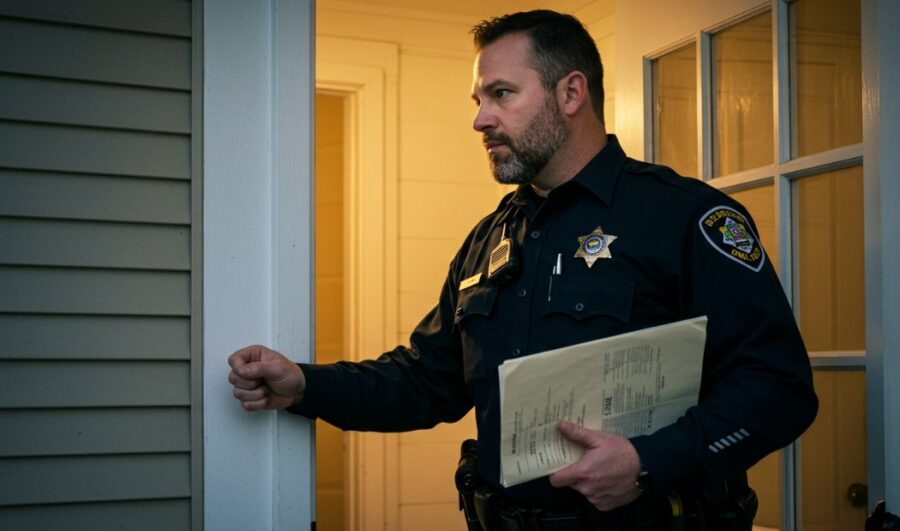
594, 245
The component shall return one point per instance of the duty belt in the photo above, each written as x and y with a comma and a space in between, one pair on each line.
727, 506
497, 515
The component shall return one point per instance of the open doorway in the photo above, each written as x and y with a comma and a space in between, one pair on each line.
330, 300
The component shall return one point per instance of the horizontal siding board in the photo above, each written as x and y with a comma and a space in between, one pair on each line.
166, 17
95, 288
94, 384
94, 197
103, 151
46, 432
147, 515
94, 244
93, 478
96, 105
94, 337
71, 52
86, 291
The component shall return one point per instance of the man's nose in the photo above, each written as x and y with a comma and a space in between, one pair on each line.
484, 119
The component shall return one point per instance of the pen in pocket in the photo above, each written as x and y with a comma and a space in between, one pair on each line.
557, 270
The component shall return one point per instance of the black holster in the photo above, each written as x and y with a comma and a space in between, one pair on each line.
468, 482
729, 506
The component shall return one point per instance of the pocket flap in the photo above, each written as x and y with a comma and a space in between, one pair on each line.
587, 299
477, 300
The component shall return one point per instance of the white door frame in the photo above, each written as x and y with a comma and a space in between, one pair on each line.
881, 134
257, 256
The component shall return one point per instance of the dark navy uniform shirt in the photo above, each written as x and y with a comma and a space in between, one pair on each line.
681, 249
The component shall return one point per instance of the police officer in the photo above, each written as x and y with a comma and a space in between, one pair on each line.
638, 246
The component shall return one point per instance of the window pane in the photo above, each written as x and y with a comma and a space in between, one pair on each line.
760, 202
833, 453
743, 126
675, 110
829, 254
825, 46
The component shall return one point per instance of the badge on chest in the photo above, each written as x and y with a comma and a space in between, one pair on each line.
594, 246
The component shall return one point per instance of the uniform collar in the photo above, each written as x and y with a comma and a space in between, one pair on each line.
599, 176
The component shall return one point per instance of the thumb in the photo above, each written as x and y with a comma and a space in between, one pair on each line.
578, 434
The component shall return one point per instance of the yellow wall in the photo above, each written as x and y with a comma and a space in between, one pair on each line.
444, 189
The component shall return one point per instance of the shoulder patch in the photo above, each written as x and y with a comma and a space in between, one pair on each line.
729, 232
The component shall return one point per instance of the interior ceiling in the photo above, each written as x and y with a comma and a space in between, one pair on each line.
479, 9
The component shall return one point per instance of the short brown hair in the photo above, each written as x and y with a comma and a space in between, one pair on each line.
560, 45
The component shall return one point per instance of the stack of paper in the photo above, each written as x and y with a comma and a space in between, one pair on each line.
631, 384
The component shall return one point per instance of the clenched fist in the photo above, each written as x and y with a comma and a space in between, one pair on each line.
265, 379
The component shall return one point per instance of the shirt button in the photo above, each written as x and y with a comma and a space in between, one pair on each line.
517, 352
522, 292
535, 234
579, 307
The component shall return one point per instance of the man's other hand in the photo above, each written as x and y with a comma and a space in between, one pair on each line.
607, 472
265, 379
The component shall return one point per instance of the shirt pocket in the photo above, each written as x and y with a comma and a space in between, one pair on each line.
476, 324
582, 299
475, 301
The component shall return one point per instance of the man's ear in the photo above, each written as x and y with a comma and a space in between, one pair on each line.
572, 92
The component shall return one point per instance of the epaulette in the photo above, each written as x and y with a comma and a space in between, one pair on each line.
639, 166
691, 185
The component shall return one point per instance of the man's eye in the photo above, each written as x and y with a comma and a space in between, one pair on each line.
499, 93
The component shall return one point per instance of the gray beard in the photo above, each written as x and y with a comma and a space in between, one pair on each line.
531, 152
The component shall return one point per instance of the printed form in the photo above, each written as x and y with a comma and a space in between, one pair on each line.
631, 384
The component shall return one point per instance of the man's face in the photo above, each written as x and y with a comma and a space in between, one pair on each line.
520, 120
